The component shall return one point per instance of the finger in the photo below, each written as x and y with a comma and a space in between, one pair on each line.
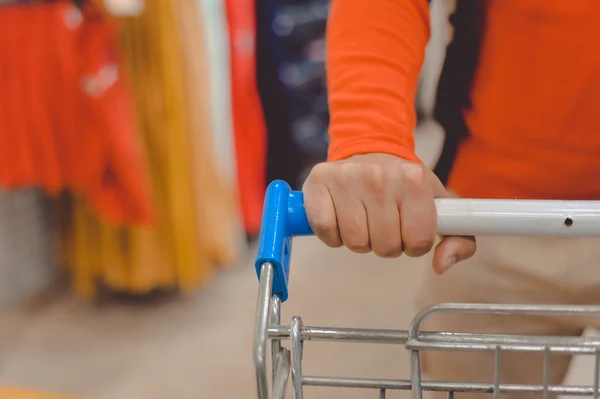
351, 220
452, 250
321, 214
383, 220
418, 215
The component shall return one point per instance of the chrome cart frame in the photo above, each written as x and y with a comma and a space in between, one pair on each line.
284, 218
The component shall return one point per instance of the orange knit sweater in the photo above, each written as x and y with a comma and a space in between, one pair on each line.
535, 121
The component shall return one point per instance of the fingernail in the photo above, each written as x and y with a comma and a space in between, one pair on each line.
450, 262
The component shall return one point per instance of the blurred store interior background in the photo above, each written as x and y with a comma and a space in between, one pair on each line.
137, 141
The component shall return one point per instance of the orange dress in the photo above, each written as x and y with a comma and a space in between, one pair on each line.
248, 122
68, 120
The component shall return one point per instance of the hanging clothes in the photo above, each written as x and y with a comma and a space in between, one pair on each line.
215, 37
248, 120
122, 8
68, 121
216, 191
283, 157
213, 40
292, 85
195, 210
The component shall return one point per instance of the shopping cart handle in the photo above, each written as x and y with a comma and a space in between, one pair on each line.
283, 218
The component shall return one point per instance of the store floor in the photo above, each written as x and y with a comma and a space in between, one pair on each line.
200, 346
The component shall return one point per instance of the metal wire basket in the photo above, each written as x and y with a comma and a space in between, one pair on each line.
284, 218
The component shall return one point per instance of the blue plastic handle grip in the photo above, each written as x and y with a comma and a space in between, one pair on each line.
283, 217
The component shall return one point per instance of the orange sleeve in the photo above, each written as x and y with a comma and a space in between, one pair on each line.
375, 51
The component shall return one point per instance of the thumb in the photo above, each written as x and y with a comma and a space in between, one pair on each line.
452, 249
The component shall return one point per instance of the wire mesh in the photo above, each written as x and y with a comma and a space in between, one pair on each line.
416, 341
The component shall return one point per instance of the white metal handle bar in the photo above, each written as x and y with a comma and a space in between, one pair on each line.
518, 217
284, 217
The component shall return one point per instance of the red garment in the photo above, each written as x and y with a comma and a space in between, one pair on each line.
248, 123
67, 120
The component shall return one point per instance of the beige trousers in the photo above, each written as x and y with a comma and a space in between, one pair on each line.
512, 270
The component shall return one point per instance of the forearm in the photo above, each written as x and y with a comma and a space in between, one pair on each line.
375, 51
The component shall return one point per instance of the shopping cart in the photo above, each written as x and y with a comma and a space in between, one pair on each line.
284, 218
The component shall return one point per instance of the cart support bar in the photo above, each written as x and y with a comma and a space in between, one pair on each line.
261, 334
373, 383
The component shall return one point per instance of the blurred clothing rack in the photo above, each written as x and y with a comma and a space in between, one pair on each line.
293, 85
161, 60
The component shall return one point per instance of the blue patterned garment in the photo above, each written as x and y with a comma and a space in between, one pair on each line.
298, 31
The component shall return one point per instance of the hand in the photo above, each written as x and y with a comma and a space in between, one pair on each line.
382, 203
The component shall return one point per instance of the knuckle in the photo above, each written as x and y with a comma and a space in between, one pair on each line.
359, 246
413, 173
348, 174
323, 225
418, 247
320, 173
394, 174
355, 236
390, 250
333, 243
376, 178
357, 242
327, 231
